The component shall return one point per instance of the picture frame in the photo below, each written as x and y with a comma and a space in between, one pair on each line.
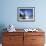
26, 14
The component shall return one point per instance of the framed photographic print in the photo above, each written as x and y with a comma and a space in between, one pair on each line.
26, 14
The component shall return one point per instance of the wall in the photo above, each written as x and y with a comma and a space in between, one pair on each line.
8, 13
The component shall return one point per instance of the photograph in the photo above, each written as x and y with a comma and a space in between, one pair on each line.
26, 13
